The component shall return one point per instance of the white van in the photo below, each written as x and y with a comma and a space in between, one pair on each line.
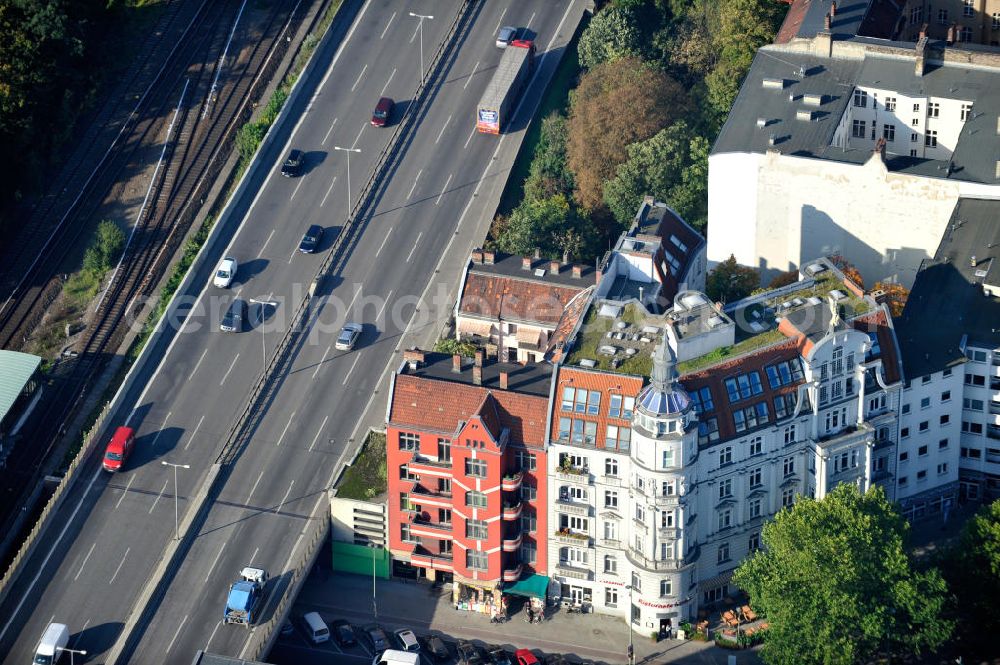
315, 627
50, 647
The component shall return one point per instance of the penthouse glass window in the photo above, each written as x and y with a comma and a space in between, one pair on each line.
618, 438
708, 430
621, 406
784, 405
581, 401
702, 400
752, 416
783, 373
475, 468
409, 441
744, 386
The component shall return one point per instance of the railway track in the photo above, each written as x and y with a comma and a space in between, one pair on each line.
193, 149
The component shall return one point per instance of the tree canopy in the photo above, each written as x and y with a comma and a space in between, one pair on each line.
612, 34
837, 585
729, 281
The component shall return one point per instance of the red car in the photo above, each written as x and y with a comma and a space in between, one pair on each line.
119, 449
383, 110
525, 657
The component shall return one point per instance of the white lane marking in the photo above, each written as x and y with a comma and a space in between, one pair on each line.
469, 77
254, 556
319, 365
528, 24
412, 249
194, 433
318, 432
284, 431
160, 431
344, 382
130, 481
292, 255
471, 134
500, 22
296, 190
414, 184
267, 242
444, 189
254, 488
231, 365
386, 29
443, 127
120, 564
340, 50
212, 636
215, 561
285, 498
358, 80
384, 240
198, 364
329, 131
157, 499
328, 190
353, 145
176, 633
382, 94
85, 560
381, 309
415, 31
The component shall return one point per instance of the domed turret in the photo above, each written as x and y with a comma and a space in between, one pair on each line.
664, 397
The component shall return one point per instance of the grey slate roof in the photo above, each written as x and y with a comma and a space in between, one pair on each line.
947, 301
15, 370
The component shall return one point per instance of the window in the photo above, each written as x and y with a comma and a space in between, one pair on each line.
970, 404
668, 488
944, 419
723, 554
611, 530
476, 560
972, 453
877, 403
618, 438
529, 552
750, 417
789, 434
916, 15
529, 522
789, 466
975, 380
405, 504
708, 431
904, 432
475, 468
972, 428
913, 139
903, 480
924, 425
783, 373
754, 543
861, 99
640, 513
967, 8
702, 400
756, 477
621, 406
444, 485
404, 473
526, 461
573, 493
409, 441
444, 516
610, 499
725, 488
906, 409
933, 109
755, 507
922, 451
636, 582
858, 129
924, 380
943, 444
528, 492
889, 132
787, 497
930, 139
743, 386
903, 456
966, 111
476, 529
668, 458
666, 519
890, 103
942, 468
666, 588
725, 519
610, 466
942, 18
922, 475
405, 535
716, 594
610, 564
913, 153
946, 396
925, 403
573, 523
726, 456
915, 123
610, 596
756, 446
996, 21
475, 499
564, 426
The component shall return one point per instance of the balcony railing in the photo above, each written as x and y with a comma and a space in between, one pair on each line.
569, 507
512, 574
570, 570
440, 561
512, 511
420, 527
422, 465
640, 560
512, 482
512, 541
575, 538
423, 496
574, 474
995, 408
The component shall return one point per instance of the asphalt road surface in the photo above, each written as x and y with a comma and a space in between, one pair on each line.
90, 568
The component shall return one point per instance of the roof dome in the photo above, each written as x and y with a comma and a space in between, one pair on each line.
664, 396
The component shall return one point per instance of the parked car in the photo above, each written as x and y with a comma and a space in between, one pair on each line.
235, 316
343, 633
525, 657
292, 168
555, 659
348, 337
407, 640
383, 112
470, 654
225, 273
119, 449
499, 656
378, 638
436, 647
310, 241
506, 35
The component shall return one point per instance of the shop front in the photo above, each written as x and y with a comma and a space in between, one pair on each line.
480, 596
527, 594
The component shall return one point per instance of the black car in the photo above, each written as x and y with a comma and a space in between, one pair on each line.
470, 654
232, 320
498, 656
343, 633
378, 637
436, 647
310, 241
292, 168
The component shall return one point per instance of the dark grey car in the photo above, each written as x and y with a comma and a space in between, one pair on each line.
235, 317
310, 241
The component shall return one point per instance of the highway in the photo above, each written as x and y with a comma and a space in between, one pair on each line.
90, 569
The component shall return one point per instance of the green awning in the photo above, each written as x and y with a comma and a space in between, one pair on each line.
531, 587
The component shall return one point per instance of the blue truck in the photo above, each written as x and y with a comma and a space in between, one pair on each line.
243, 604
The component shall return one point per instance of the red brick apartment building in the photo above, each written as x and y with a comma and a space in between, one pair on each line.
466, 474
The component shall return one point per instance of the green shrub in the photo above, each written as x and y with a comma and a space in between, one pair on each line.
453, 346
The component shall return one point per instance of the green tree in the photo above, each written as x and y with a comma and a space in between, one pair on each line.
104, 251
451, 346
610, 35
837, 586
536, 223
729, 281
548, 174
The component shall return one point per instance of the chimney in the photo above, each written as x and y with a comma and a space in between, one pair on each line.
554, 267
921, 63
951, 34
479, 357
826, 22
414, 356
456, 362
477, 255
833, 8
923, 31
526, 263
504, 378
880, 147
538, 253
565, 258
577, 271
489, 256
477, 375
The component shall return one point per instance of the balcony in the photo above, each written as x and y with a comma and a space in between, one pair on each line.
439, 561
425, 497
512, 574
669, 532
667, 500
512, 541
512, 511
423, 466
574, 474
883, 443
639, 560
848, 435
512, 483
993, 432
420, 527
570, 570
995, 408
574, 538
569, 507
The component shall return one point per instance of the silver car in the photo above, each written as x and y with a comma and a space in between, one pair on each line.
348, 336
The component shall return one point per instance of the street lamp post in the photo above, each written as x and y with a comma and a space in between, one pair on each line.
631, 650
177, 530
71, 652
348, 151
374, 603
420, 29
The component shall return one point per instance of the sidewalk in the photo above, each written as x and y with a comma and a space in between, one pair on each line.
407, 604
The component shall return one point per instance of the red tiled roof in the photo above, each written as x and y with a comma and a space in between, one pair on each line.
509, 298
440, 406
606, 382
793, 21
880, 323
